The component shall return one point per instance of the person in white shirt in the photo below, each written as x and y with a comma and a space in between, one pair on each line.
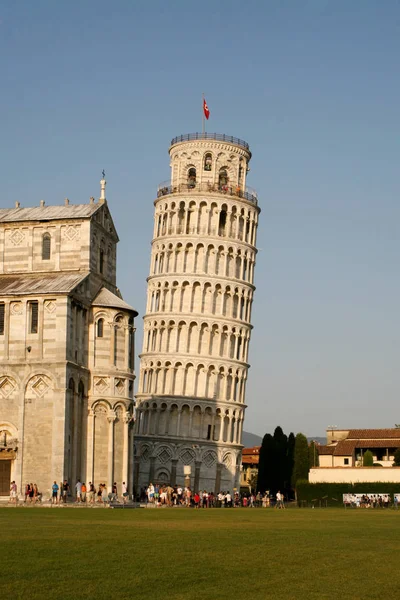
279, 500
78, 489
124, 492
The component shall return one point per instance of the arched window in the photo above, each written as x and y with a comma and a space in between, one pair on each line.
100, 328
192, 177
223, 179
207, 162
46, 246
101, 261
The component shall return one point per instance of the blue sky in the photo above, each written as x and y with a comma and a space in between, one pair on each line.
313, 86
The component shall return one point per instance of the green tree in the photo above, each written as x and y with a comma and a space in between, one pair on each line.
368, 459
279, 467
397, 458
290, 460
264, 463
300, 467
273, 463
313, 456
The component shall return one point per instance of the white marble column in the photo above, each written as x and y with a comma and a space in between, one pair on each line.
110, 475
90, 447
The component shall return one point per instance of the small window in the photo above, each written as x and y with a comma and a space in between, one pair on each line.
2, 319
223, 180
101, 261
34, 316
192, 178
207, 162
46, 246
346, 461
100, 327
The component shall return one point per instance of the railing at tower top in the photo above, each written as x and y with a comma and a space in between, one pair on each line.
165, 189
220, 137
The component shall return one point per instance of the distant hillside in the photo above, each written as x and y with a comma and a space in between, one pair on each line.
250, 439
319, 440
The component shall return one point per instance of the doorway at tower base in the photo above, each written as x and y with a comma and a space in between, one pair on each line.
207, 467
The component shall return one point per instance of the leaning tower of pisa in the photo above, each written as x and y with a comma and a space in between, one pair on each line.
194, 363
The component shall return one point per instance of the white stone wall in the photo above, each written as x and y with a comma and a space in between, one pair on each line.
66, 394
354, 475
197, 327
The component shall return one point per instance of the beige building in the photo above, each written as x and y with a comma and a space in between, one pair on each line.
197, 327
249, 470
66, 348
341, 459
346, 447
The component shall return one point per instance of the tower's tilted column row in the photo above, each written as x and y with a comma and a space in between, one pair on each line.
194, 364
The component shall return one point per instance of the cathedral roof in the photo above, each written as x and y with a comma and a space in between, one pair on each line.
48, 213
108, 299
39, 283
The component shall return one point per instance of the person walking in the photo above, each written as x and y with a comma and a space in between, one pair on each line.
125, 495
13, 493
78, 490
65, 491
279, 500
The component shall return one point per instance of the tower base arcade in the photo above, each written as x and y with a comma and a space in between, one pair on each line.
177, 432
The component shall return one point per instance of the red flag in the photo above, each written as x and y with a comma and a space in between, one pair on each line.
206, 109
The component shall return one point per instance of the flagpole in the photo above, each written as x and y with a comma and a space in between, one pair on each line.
202, 114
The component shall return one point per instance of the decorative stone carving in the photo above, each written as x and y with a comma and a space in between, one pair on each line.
17, 237
50, 306
71, 232
145, 453
40, 384
7, 386
187, 456
120, 386
210, 458
101, 384
16, 308
164, 454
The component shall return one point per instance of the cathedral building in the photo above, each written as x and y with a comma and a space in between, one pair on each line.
66, 349
197, 326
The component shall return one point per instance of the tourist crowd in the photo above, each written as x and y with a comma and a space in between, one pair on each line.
167, 495
369, 501
82, 493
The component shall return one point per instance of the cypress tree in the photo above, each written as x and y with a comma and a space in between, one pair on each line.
290, 461
313, 456
264, 463
300, 468
279, 467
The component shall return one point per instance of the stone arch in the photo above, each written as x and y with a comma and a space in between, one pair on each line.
196, 422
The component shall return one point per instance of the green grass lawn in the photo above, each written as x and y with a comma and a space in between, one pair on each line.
175, 554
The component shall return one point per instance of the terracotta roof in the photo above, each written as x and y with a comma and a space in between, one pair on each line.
250, 460
373, 434
27, 284
346, 447
108, 299
254, 450
48, 213
325, 449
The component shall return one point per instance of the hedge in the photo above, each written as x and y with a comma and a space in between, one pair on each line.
332, 493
